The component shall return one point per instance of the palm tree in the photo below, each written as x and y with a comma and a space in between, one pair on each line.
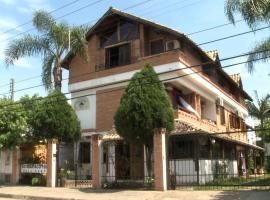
260, 111
253, 12
51, 43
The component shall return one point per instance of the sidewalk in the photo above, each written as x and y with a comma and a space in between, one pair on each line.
43, 193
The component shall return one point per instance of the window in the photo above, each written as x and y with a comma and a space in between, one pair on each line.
181, 149
156, 47
217, 150
109, 37
229, 151
128, 31
121, 31
85, 152
117, 56
234, 121
222, 115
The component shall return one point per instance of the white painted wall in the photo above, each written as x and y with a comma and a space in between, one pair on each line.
186, 174
87, 116
6, 162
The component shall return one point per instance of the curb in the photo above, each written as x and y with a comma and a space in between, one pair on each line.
30, 197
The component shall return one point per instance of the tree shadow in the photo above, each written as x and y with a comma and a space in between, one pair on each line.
243, 195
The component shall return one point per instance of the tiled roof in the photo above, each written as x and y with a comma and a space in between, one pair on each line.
236, 78
213, 54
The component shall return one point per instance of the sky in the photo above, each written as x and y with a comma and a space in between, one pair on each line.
187, 16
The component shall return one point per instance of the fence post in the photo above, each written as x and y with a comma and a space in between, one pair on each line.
15, 167
51, 163
159, 150
96, 173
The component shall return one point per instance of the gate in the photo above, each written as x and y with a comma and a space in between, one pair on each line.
124, 166
75, 165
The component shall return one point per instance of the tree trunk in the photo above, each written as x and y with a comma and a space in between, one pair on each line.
148, 154
57, 73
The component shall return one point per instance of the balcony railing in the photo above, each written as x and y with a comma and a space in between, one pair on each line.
194, 121
208, 126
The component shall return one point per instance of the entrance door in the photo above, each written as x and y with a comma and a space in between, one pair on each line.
122, 161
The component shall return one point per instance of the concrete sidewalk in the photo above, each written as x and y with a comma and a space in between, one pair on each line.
43, 193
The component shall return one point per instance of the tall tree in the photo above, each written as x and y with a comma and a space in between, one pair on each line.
13, 124
254, 12
51, 43
261, 111
144, 107
54, 118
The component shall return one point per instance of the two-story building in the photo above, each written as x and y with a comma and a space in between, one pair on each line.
209, 104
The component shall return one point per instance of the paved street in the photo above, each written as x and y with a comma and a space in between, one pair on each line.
64, 193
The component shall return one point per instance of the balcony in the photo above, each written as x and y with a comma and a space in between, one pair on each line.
195, 122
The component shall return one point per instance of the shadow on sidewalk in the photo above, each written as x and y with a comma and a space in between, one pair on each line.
243, 195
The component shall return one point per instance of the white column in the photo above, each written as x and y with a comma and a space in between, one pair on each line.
51, 163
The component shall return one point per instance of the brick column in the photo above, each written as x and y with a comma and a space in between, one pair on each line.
159, 151
51, 163
96, 173
15, 167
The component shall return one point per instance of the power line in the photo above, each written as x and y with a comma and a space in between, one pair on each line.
198, 65
72, 12
216, 40
30, 21
235, 35
214, 27
124, 81
127, 8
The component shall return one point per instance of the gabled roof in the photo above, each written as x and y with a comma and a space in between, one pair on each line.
234, 79
209, 56
112, 11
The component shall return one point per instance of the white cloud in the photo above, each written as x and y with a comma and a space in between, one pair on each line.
31, 5
8, 2
8, 23
22, 63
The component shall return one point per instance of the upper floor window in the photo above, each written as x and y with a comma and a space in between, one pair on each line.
109, 37
121, 31
117, 56
156, 47
128, 31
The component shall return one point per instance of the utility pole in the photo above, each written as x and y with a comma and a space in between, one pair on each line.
12, 82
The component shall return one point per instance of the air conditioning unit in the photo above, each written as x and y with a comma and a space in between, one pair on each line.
219, 101
172, 44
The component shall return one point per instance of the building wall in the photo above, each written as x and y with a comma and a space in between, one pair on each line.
107, 104
5, 166
99, 115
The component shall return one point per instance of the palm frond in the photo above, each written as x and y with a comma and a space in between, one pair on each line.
47, 66
263, 54
26, 46
253, 11
43, 21
79, 44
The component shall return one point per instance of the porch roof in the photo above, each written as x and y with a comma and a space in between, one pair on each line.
221, 136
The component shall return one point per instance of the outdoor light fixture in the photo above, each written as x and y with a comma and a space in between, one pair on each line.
213, 141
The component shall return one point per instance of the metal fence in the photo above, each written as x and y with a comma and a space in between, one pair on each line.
124, 166
215, 163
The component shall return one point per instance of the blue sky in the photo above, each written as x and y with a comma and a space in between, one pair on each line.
186, 16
